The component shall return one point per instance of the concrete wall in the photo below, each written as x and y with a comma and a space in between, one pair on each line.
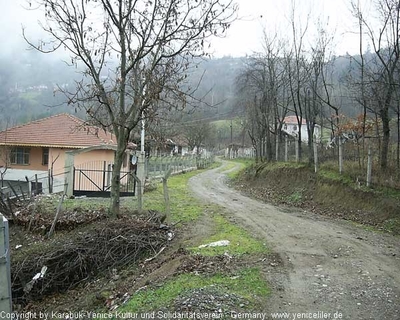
5, 277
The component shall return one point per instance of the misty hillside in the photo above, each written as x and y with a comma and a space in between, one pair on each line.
29, 80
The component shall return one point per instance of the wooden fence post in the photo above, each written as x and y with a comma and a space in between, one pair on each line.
53, 226
13, 190
36, 185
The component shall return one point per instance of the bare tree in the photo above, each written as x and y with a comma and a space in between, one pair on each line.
134, 53
298, 72
383, 80
262, 86
197, 134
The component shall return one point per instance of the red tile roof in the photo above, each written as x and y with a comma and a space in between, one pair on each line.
62, 131
293, 120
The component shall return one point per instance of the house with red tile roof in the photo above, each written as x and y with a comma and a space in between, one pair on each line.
36, 148
291, 127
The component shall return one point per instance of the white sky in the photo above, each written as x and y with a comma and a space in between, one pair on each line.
244, 36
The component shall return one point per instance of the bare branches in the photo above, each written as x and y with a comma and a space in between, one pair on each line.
134, 52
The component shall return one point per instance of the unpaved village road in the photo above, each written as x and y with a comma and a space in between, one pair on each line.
329, 266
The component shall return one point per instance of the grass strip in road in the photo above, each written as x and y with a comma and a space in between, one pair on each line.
247, 283
184, 207
241, 242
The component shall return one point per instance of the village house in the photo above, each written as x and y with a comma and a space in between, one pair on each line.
291, 127
37, 151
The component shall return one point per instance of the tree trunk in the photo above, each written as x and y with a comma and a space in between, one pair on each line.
385, 139
115, 181
398, 136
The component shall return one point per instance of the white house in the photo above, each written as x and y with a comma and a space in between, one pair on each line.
291, 127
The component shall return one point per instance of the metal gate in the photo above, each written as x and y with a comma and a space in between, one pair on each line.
5, 276
93, 179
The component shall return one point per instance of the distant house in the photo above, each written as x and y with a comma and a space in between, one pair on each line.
291, 127
38, 150
166, 146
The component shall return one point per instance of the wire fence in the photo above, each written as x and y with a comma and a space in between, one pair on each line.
33, 183
358, 159
156, 167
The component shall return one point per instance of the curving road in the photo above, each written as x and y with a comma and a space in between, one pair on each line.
329, 266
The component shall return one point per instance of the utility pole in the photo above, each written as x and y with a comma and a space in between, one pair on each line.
142, 135
230, 149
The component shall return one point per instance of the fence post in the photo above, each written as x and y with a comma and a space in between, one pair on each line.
166, 196
5, 274
140, 172
36, 185
286, 148
139, 191
50, 181
53, 225
340, 156
369, 167
315, 157
69, 175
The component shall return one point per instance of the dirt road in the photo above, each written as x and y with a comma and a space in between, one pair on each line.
330, 266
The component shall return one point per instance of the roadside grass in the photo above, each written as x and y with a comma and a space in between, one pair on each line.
244, 162
241, 242
295, 198
247, 283
184, 207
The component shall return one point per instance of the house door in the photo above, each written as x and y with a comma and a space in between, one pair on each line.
93, 179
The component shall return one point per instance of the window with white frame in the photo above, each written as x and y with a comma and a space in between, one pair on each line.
20, 155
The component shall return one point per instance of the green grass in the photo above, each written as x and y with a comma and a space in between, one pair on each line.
184, 207
247, 283
296, 197
240, 240
228, 166
336, 176
246, 161
244, 164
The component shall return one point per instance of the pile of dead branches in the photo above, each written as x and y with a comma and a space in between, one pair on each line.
68, 219
68, 261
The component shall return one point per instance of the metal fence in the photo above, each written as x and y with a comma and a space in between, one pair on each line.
5, 277
157, 166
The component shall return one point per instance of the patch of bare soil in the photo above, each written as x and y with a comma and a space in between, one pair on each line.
329, 265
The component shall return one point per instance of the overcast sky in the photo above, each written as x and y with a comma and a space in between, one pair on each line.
244, 37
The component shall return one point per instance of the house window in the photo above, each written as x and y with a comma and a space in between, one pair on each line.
45, 156
295, 128
20, 156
